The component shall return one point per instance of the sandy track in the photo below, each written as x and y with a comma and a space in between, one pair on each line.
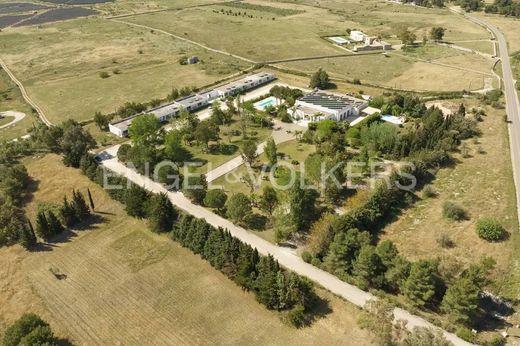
17, 117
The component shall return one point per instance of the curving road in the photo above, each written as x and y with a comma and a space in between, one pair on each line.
24, 94
512, 103
16, 115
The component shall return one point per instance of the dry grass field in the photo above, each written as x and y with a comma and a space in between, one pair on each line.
481, 46
11, 100
125, 285
404, 71
482, 184
60, 65
509, 26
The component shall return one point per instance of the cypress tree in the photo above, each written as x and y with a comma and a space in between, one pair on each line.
55, 226
91, 200
161, 213
79, 205
68, 214
28, 237
42, 226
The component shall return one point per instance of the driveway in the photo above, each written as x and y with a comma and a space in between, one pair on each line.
286, 257
17, 117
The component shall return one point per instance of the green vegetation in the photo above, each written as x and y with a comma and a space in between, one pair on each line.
30, 329
453, 211
262, 8
490, 229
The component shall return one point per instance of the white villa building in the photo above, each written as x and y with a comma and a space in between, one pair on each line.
195, 102
319, 105
358, 36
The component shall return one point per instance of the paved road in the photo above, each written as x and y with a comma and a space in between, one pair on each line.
25, 95
512, 104
285, 256
17, 117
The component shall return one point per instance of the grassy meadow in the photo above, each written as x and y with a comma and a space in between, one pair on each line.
60, 65
125, 284
11, 100
482, 184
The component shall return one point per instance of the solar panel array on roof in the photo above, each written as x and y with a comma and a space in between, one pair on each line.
331, 101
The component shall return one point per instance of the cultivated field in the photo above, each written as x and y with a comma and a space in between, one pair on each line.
60, 65
125, 284
482, 184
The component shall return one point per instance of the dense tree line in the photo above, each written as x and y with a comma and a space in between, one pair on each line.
426, 3
14, 182
504, 7
69, 139
273, 286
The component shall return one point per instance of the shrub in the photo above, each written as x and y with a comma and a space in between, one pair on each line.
116, 71
104, 74
445, 242
307, 257
428, 191
497, 340
296, 316
453, 211
490, 229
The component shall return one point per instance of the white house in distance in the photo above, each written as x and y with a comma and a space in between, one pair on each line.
319, 105
195, 102
358, 36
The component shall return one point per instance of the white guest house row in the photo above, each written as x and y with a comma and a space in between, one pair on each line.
195, 102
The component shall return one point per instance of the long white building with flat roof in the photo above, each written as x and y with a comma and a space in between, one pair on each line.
319, 105
195, 102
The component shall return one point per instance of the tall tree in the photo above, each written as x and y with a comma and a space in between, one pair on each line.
161, 213
102, 121
268, 200
91, 200
80, 206
195, 188
136, 200
238, 207
302, 206
215, 198
42, 226
271, 152
55, 226
173, 148
368, 268
320, 80
460, 301
406, 36
28, 237
68, 213
75, 143
437, 33
249, 151
145, 130
420, 285
206, 131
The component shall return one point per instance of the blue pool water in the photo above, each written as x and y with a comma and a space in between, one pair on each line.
263, 104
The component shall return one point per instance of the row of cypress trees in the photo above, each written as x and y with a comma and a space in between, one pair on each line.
272, 285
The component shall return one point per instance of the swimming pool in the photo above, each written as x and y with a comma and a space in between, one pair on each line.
393, 119
263, 104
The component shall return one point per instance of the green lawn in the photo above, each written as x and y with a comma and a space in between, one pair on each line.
211, 160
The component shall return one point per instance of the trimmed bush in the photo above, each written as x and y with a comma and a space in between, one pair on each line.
490, 229
453, 211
